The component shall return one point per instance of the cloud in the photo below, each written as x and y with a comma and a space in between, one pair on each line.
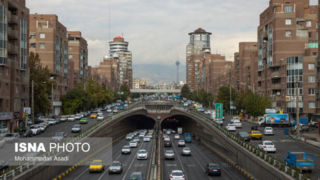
157, 31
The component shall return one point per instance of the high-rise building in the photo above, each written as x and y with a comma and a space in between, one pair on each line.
14, 70
48, 38
78, 52
287, 55
139, 83
119, 50
108, 71
198, 45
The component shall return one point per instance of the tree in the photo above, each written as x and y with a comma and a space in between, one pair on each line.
240, 99
256, 104
185, 91
124, 92
202, 97
42, 85
224, 97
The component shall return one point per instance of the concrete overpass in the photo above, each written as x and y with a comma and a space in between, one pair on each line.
156, 114
153, 91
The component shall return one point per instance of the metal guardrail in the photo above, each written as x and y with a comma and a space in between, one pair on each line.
278, 164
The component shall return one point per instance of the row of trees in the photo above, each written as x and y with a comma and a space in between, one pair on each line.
245, 101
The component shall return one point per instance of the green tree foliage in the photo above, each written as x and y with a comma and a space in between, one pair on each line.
224, 97
42, 85
256, 104
123, 92
202, 97
185, 91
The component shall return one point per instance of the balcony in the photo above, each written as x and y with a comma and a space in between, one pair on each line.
12, 34
12, 19
276, 75
265, 36
12, 49
277, 86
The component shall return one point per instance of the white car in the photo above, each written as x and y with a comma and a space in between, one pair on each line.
35, 129
109, 110
146, 139
181, 143
231, 127
267, 146
237, 124
142, 154
133, 144
115, 110
51, 122
63, 118
177, 136
176, 175
268, 131
100, 117
78, 116
71, 118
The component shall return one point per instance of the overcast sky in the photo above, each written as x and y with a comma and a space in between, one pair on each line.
157, 30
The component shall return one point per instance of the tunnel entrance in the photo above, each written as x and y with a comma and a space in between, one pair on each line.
139, 122
176, 121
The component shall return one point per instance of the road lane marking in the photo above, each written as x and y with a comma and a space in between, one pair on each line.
133, 159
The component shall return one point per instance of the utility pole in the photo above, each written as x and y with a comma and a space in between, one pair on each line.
32, 100
297, 107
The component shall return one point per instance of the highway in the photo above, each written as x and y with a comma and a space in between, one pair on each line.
129, 162
284, 143
194, 166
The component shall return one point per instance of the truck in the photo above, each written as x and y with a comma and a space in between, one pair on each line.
304, 121
188, 137
274, 120
179, 130
121, 107
300, 159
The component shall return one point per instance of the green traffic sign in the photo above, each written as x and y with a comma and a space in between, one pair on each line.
219, 110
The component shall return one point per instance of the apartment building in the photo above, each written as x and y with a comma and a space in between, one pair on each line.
198, 46
139, 83
287, 55
78, 53
14, 70
107, 73
48, 38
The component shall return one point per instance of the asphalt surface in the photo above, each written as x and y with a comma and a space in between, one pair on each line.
194, 166
284, 143
129, 163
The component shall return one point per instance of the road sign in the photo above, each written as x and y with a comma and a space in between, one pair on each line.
219, 110
27, 110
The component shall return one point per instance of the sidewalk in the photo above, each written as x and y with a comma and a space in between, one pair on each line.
311, 138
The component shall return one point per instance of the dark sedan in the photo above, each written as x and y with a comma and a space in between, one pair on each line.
213, 169
243, 135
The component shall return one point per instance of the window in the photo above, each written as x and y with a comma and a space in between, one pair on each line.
32, 36
311, 66
42, 46
311, 79
288, 21
288, 9
308, 24
312, 105
70, 56
288, 33
33, 45
312, 92
42, 35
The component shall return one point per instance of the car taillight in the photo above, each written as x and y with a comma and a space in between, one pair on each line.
171, 177
183, 177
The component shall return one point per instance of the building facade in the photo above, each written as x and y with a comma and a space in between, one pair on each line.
78, 53
14, 70
139, 83
199, 44
48, 38
287, 55
107, 71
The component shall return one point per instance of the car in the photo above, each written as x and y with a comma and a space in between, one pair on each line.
268, 146
93, 116
141, 135
109, 110
238, 124
243, 135
78, 116
255, 134
9, 137
35, 129
100, 114
58, 136
186, 151
268, 131
167, 143
313, 124
96, 166
63, 118
76, 128
136, 176
149, 136
303, 127
181, 143
168, 132
115, 167
115, 110
169, 154
83, 121
72, 118
142, 154
136, 140
100, 117
51, 122
213, 169
133, 144
231, 127
166, 138
27, 133
219, 121
42, 127
176, 175
146, 139
126, 150
177, 136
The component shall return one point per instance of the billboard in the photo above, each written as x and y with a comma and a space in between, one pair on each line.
219, 110
277, 118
